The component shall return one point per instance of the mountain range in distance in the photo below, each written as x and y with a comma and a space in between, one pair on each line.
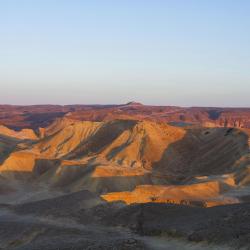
35, 116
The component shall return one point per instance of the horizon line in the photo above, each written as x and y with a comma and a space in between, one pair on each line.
123, 104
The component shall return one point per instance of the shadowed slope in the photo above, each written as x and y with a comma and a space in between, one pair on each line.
61, 205
203, 152
5, 187
7, 145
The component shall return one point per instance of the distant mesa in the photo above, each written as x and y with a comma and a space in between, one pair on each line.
134, 104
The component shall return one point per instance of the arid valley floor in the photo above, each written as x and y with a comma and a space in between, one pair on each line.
124, 177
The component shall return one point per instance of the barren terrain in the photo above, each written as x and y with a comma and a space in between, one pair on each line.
124, 177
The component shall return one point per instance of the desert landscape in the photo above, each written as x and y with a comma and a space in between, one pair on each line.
124, 125
126, 176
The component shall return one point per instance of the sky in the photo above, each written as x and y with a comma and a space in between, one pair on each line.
159, 52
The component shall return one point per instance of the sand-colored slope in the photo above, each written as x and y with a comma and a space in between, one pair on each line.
142, 145
169, 150
56, 126
138, 146
207, 193
24, 134
125, 155
21, 163
27, 165
120, 148
103, 138
65, 138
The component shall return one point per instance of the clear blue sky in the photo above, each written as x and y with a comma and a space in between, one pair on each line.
176, 52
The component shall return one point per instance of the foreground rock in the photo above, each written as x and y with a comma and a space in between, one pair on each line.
82, 215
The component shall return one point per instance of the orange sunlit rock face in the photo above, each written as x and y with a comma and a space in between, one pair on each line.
157, 162
109, 171
19, 162
208, 194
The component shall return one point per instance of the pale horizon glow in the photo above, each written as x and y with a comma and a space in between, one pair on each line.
173, 52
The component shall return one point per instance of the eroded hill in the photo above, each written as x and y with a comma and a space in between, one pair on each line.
134, 161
